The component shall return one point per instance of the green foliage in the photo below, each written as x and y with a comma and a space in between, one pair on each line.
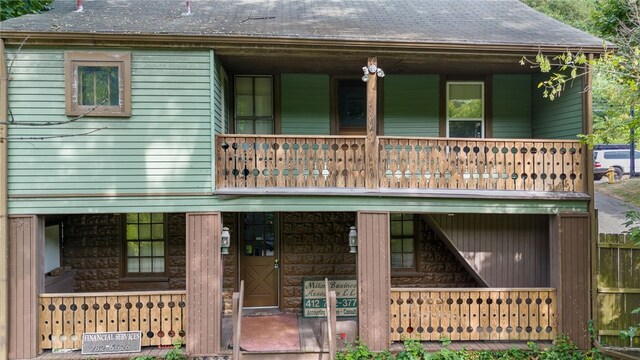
14, 8
609, 15
562, 349
633, 226
576, 13
175, 353
145, 357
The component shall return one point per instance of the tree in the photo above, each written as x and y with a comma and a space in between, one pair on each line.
616, 86
14, 8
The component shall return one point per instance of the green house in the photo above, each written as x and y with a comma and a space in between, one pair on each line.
165, 166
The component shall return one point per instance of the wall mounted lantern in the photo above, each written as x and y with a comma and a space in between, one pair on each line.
353, 240
225, 241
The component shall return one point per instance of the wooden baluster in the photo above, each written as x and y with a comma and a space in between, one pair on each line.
493, 315
111, 313
483, 315
44, 319
578, 168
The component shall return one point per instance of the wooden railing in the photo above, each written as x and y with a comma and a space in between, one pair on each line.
285, 161
473, 314
480, 164
254, 161
159, 315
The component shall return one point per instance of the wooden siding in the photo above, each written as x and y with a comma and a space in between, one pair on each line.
26, 282
560, 118
504, 250
373, 269
304, 108
573, 275
411, 105
164, 147
512, 106
204, 283
220, 125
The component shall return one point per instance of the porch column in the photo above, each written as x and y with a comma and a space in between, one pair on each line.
374, 282
204, 283
570, 254
371, 143
26, 282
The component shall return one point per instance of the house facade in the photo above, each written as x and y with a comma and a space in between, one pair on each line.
138, 137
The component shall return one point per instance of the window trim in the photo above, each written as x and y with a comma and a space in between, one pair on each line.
253, 118
416, 236
150, 276
74, 59
484, 112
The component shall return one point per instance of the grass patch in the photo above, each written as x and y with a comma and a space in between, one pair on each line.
627, 190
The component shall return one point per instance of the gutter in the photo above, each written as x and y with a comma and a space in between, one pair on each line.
4, 248
247, 41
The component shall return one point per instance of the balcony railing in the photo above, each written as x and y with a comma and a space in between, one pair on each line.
253, 161
473, 314
159, 315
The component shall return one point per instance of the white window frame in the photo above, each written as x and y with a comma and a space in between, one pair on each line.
482, 119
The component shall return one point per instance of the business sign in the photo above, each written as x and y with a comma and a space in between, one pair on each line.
314, 303
111, 342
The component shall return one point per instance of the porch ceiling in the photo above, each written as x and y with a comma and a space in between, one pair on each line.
343, 63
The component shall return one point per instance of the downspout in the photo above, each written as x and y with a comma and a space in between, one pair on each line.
4, 248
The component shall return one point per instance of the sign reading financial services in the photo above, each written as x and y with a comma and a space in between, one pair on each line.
314, 303
111, 342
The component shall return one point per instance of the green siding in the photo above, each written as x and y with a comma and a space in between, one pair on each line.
560, 118
512, 106
304, 104
411, 105
292, 203
164, 147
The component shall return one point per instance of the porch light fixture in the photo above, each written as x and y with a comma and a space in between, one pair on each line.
225, 241
353, 240
370, 71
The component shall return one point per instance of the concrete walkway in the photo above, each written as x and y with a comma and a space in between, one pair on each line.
611, 213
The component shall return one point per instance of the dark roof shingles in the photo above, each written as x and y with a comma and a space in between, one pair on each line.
422, 21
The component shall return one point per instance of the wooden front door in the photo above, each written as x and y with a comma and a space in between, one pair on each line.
259, 262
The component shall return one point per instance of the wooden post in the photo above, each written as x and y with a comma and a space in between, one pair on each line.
374, 281
238, 305
204, 283
26, 282
4, 288
371, 144
330, 298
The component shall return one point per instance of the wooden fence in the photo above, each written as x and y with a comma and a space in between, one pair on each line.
63, 318
618, 288
473, 314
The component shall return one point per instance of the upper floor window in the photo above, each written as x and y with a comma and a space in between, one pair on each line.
465, 109
352, 107
145, 244
98, 83
403, 236
254, 104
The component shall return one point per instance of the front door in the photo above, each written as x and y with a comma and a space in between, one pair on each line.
259, 259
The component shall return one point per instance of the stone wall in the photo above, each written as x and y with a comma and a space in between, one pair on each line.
436, 266
230, 262
314, 245
93, 246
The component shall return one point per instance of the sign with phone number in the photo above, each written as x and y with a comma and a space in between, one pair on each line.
314, 303
111, 342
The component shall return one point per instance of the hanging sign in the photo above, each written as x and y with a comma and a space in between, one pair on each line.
314, 303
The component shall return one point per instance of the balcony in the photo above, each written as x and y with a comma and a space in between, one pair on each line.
400, 164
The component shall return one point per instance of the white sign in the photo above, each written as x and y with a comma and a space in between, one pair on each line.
111, 342
314, 303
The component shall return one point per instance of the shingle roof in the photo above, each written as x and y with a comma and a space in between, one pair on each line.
495, 22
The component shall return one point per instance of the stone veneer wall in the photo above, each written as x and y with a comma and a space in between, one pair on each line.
313, 245
435, 264
92, 245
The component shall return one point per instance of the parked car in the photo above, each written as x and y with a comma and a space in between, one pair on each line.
616, 156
